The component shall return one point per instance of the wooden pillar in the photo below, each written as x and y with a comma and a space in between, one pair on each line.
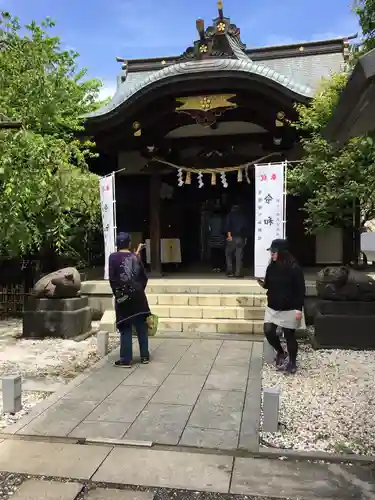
155, 234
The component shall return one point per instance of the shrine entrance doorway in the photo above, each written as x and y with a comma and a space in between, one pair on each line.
186, 215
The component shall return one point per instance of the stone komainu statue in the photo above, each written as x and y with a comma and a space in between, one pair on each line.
345, 284
62, 284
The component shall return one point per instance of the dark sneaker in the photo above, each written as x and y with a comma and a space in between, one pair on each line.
280, 359
122, 364
230, 275
291, 368
145, 361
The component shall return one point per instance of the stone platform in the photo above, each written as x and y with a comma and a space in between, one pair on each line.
199, 393
60, 317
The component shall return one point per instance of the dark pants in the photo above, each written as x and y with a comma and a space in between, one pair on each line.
217, 258
234, 249
274, 340
126, 339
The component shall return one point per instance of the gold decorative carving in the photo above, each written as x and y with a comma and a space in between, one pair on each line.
205, 102
137, 129
221, 27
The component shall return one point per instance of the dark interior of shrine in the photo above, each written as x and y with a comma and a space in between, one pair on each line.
185, 211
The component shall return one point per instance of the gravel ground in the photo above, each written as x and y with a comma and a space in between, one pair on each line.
329, 405
46, 363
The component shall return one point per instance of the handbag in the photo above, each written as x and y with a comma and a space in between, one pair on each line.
152, 325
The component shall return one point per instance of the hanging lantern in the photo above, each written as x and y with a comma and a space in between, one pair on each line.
200, 180
188, 178
213, 179
239, 175
180, 178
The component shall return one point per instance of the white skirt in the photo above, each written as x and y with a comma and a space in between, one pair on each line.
284, 319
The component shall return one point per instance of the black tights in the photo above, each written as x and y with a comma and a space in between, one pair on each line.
274, 340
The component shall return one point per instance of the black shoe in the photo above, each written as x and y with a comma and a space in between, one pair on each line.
280, 359
145, 361
230, 275
291, 368
123, 364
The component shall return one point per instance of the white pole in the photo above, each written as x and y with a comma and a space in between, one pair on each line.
284, 197
114, 208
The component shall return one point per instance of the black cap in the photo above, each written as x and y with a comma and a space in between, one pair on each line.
278, 245
123, 239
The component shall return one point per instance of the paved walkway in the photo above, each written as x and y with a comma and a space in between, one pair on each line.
120, 465
203, 393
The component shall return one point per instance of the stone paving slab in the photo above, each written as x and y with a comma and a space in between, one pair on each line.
300, 480
160, 423
111, 494
61, 419
94, 429
218, 410
180, 390
249, 435
210, 438
168, 469
201, 393
34, 489
51, 459
227, 378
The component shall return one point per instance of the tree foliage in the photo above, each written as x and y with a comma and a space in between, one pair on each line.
332, 180
47, 195
365, 9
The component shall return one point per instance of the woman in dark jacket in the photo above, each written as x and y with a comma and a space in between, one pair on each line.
285, 285
128, 281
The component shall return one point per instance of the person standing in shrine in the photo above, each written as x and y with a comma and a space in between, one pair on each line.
236, 229
216, 241
285, 285
128, 281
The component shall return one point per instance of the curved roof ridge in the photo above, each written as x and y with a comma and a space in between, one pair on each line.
205, 65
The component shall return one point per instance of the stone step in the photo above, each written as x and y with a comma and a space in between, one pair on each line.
194, 325
231, 287
201, 326
213, 299
208, 312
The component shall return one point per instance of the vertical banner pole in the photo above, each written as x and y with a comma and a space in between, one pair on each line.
284, 197
114, 208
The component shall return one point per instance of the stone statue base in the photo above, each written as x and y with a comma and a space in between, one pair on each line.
60, 318
344, 325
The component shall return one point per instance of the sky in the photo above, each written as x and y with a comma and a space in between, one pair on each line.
100, 30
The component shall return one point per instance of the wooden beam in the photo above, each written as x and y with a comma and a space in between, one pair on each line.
155, 233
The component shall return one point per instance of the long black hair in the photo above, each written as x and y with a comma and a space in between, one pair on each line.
285, 257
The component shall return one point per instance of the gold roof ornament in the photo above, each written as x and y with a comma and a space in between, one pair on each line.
205, 102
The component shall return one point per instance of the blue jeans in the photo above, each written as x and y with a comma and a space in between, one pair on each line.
126, 339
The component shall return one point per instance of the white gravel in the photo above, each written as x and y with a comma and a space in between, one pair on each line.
43, 364
328, 405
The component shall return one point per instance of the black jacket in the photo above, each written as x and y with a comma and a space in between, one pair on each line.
285, 284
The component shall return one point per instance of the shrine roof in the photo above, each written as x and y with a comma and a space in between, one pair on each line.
298, 67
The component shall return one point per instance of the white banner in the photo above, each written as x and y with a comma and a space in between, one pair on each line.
107, 200
269, 212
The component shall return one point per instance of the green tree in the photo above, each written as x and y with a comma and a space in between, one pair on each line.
332, 181
365, 9
47, 194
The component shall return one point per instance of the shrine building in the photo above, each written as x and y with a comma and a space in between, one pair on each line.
183, 132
